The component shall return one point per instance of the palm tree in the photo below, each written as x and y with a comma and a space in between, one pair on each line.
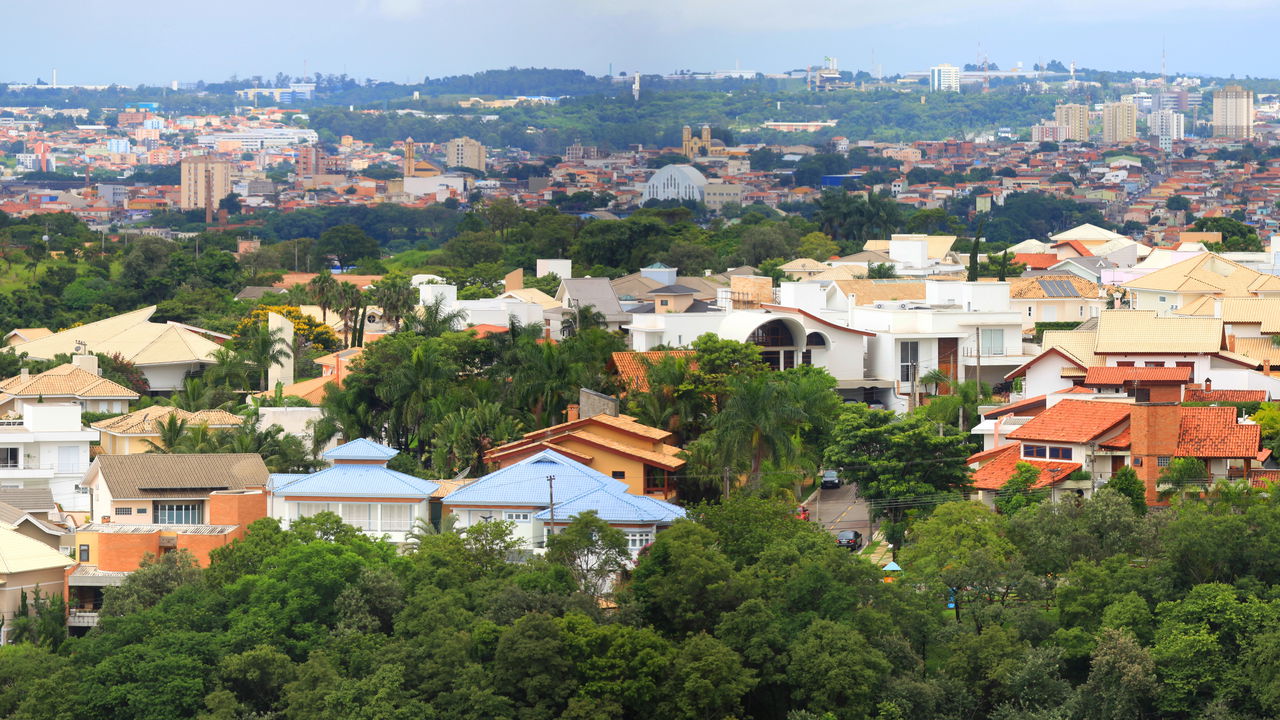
264, 347
323, 291
198, 439
229, 369
432, 320
671, 402
581, 318
937, 378
465, 435
396, 297
197, 395
759, 422
348, 302
170, 430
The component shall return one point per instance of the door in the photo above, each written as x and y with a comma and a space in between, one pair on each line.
68, 459
948, 351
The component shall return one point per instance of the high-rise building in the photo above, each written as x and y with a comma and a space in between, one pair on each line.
1049, 132
1076, 118
1167, 123
1119, 122
464, 152
310, 160
205, 182
1233, 112
944, 78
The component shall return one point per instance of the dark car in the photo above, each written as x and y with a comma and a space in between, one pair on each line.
830, 480
851, 539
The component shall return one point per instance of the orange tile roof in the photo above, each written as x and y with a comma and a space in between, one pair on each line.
1012, 408
1197, 393
1036, 261
1212, 432
633, 367
486, 329
1073, 421
999, 470
1077, 246
1107, 376
1121, 441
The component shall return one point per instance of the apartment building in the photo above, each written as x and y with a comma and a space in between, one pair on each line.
1233, 112
1119, 122
464, 152
205, 181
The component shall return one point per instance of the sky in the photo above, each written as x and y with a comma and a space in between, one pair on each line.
158, 41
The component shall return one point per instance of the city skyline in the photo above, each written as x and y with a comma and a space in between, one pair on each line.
657, 37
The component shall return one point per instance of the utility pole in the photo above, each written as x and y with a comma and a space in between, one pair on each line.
551, 496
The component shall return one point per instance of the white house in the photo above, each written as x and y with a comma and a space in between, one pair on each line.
47, 448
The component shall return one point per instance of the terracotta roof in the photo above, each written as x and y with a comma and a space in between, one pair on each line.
132, 336
1212, 432
866, 291
66, 380
1036, 261
1073, 421
1014, 407
146, 420
633, 370
1110, 376
313, 390
1197, 393
1264, 311
1120, 441
1075, 245
151, 475
1001, 468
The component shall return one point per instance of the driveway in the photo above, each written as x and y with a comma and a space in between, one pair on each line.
840, 509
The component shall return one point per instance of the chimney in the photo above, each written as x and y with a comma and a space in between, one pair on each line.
1231, 343
25, 373
86, 362
571, 412
1208, 384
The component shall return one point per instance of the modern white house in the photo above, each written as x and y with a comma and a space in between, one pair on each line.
47, 448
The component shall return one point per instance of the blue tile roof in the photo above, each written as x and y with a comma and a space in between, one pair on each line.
353, 481
617, 507
361, 449
525, 483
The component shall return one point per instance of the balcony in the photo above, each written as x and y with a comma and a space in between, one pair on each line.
82, 618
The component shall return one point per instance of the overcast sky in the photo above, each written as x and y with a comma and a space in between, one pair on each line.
156, 41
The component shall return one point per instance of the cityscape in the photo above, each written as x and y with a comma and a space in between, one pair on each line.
811, 389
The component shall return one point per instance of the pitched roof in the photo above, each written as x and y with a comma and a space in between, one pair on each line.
361, 449
633, 367
160, 474
1109, 376
1258, 350
615, 507
998, 471
1141, 331
347, 480
596, 292
1036, 261
1017, 406
1087, 232
66, 380
19, 554
1074, 245
673, 290
867, 291
1033, 288
1197, 393
132, 336
1073, 421
147, 420
525, 483
1264, 311
1207, 273
1206, 432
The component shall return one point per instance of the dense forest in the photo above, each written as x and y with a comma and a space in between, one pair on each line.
1086, 610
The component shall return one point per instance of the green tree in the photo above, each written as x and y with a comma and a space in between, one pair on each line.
154, 578
1019, 491
834, 669
396, 297
1177, 203
346, 244
817, 246
707, 680
594, 551
1236, 236
1183, 474
1126, 482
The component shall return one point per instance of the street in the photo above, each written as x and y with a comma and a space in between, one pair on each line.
839, 509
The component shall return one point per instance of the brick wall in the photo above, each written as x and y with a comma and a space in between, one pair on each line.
1153, 428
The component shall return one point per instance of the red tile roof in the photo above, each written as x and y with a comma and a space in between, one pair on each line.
1073, 421
633, 367
1036, 261
1108, 376
997, 472
1212, 432
1122, 441
1198, 394
1077, 246
1014, 408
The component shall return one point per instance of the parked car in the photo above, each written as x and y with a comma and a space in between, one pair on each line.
830, 480
851, 539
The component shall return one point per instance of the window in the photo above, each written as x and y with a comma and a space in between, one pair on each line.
1124, 363
515, 516
397, 517
1059, 453
656, 480
68, 458
356, 515
1028, 312
8, 457
908, 356
124, 511
84, 553
664, 303
1034, 451
1163, 299
1162, 461
1153, 363
305, 509
1188, 364
637, 540
619, 474
178, 513
992, 341
141, 511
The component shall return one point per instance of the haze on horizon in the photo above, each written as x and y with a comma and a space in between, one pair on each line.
156, 42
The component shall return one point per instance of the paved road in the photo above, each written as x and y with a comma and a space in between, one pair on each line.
838, 510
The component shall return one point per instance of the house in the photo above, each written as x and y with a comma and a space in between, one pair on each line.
32, 513
334, 367
47, 449
358, 487
166, 353
545, 490
1204, 275
803, 268
27, 565
75, 382
1141, 338
614, 444
1100, 435
139, 431
18, 336
167, 489
1054, 298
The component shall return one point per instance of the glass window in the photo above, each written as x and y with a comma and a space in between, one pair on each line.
1162, 461
356, 515
124, 511
306, 509
516, 516
637, 540
141, 511
908, 356
619, 474
84, 553
1034, 451
1059, 453
992, 341
178, 513
8, 457
397, 517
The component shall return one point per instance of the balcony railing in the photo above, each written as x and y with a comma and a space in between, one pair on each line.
82, 618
